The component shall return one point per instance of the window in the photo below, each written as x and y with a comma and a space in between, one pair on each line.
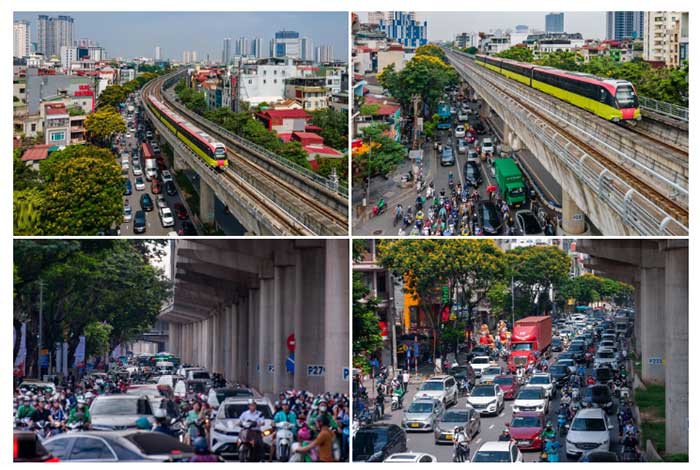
275, 80
57, 136
275, 72
58, 447
33, 127
90, 449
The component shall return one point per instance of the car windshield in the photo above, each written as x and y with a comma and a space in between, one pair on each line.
529, 223
530, 394
455, 416
368, 441
433, 386
558, 369
503, 380
488, 212
234, 410
480, 360
522, 347
625, 96
525, 422
123, 406
588, 424
483, 392
603, 374
540, 380
598, 393
492, 371
492, 456
606, 355
420, 407
195, 375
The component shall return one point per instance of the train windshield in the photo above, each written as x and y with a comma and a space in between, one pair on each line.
220, 150
625, 96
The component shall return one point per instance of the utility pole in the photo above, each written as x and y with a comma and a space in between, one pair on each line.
41, 327
392, 323
416, 100
369, 169
512, 302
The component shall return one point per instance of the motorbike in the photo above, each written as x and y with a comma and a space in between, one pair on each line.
461, 452
630, 454
463, 387
284, 440
379, 208
42, 429
396, 400
562, 424
247, 438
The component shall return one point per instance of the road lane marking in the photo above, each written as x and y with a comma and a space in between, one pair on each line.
492, 426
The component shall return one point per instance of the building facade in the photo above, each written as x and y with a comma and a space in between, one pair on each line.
21, 45
286, 44
404, 28
54, 33
554, 23
621, 25
666, 37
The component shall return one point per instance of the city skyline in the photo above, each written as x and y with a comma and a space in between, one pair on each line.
324, 28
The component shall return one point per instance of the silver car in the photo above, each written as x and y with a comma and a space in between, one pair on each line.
422, 414
115, 412
466, 418
487, 375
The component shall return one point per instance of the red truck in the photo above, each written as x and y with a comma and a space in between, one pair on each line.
531, 335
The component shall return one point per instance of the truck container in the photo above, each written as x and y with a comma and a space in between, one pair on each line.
510, 181
530, 340
149, 161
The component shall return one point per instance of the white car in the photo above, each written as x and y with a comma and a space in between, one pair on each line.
486, 399
487, 145
498, 451
127, 135
440, 387
589, 430
531, 398
166, 176
460, 131
166, 217
127, 213
544, 380
479, 363
139, 184
224, 430
463, 117
605, 357
161, 202
137, 170
411, 457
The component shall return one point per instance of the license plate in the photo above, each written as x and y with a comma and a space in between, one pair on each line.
448, 436
524, 443
414, 425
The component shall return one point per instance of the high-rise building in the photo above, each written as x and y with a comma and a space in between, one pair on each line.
54, 33
186, 57
157, 56
404, 28
242, 46
554, 23
323, 54
194, 56
621, 25
307, 48
374, 17
226, 52
21, 39
666, 37
256, 48
521, 28
286, 44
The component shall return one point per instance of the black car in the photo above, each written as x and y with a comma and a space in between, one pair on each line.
599, 396
603, 375
560, 374
557, 345
480, 128
579, 351
187, 228
599, 456
463, 373
146, 202
127, 188
26, 447
489, 218
376, 442
472, 175
139, 222
170, 188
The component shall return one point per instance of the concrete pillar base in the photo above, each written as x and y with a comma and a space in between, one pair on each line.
206, 203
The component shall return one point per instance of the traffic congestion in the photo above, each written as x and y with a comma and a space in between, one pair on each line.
152, 202
465, 182
552, 389
151, 407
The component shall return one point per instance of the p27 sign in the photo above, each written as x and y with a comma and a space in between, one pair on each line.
315, 370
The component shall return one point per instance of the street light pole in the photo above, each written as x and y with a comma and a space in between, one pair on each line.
41, 327
369, 167
512, 302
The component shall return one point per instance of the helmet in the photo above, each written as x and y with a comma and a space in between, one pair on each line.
159, 413
143, 423
304, 434
458, 429
251, 401
200, 445
549, 424
505, 431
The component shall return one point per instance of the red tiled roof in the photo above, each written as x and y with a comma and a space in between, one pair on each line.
37, 152
312, 128
58, 108
285, 136
322, 150
285, 113
307, 135
387, 109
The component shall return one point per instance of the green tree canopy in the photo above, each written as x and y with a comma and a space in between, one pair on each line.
103, 124
112, 96
334, 127
537, 270
432, 50
385, 154
519, 53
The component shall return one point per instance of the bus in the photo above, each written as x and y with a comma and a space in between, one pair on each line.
444, 116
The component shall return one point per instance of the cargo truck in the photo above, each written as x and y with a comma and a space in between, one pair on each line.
444, 116
530, 340
510, 181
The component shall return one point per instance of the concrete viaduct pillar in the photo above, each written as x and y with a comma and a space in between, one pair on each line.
676, 339
265, 341
178, 159
206, 203
242, 366
336, 315
573, 221
652, 323
253, 328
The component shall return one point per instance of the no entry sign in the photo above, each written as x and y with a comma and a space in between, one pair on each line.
291, 343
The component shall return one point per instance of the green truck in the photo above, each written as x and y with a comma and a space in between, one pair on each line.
510, 181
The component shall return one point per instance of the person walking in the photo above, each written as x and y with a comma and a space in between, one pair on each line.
405, 376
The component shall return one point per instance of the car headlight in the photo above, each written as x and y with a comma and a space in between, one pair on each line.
569, 442
605, 442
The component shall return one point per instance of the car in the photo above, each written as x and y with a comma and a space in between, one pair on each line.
166, 176
489, 218
464, 372
169, 380
135, 160
508, 384
472, 155
486, 399
140, 222
116, 446
605, 357
440, 387
156, 187
498, 452
468, 418
376, 442
146, 202
557, 345
151, 174
137, 170
127, 188
606, 344
459, 131
463, 116
411, 457
447, 158
187, 228
125, 158
197, 374
472, 175
599, 456
603, 375
170, 188
487, 145
26, 447
221, 394
531, 398
224, 429
589, 430
149, 134
598, 396
127, 213
479, 364
161, 202
127, 135
180, 211
470, 138
166, 217
490, 373
544, 380
578, 348
422, 414
526, 428
527, 223
113, 412
462, 146
139, 184
560, 374
569, 363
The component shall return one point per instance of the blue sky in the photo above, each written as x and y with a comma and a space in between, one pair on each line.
131, 34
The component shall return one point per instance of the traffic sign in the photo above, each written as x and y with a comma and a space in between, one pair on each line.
346, 373
289, 363
655, 361
291, 343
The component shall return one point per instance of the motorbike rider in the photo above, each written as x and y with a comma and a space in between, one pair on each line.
195, 414
162, 423
322, 410
505, 435
24, 410
323, 441
551, 447
79, 414
40, 413
201, 451
461, 440
380, 402
283, 415
548, 432
254, 415
57, 414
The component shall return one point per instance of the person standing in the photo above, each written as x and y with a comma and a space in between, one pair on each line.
405, 377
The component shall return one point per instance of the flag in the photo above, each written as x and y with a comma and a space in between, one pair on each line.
79, 362
59, 358
22, 353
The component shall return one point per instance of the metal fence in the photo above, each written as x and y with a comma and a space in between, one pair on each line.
661, 107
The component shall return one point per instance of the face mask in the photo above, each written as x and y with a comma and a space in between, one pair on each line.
322, 409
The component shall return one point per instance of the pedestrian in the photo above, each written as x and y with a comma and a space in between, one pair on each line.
405, 376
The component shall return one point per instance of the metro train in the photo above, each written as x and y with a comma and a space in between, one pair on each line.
614, 100
201, 143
